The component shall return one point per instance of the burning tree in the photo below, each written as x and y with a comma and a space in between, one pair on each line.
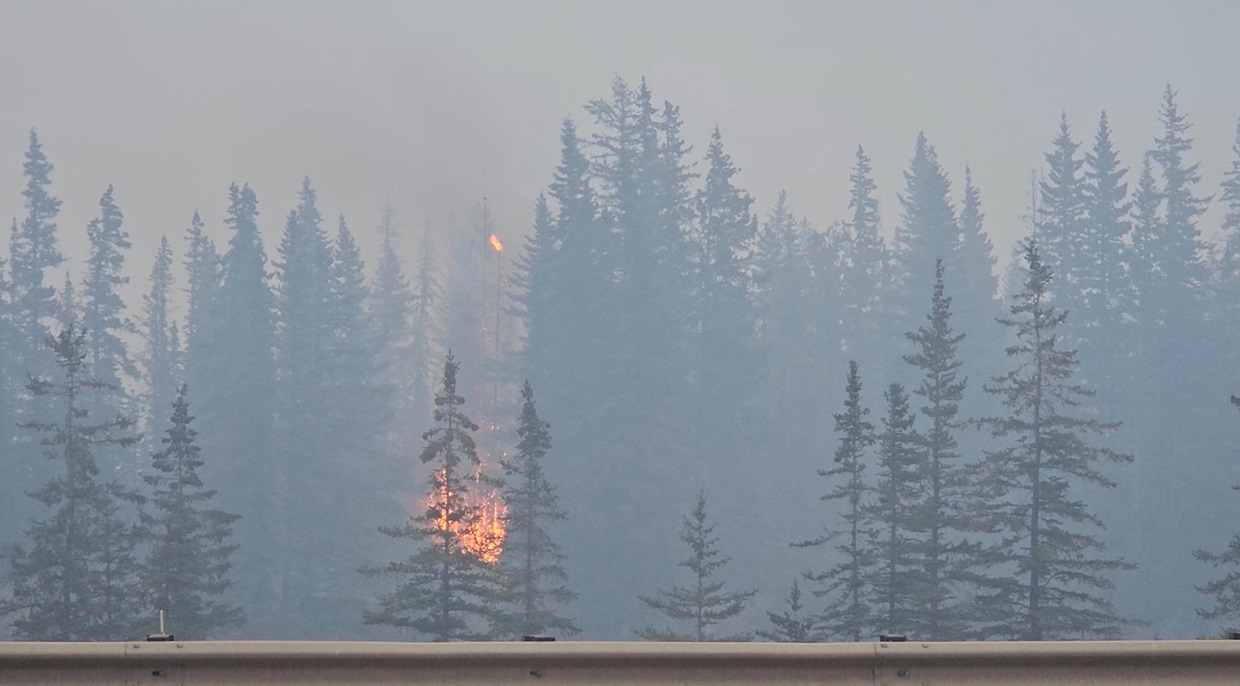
448, 589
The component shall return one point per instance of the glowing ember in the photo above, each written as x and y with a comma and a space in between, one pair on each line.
495, 243
483, 530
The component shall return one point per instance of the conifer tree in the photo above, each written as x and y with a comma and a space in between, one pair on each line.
1055, 566
1060, 223
845, 584
389, 310
794, 625
33, 250
942, 515
1224, 590
79, 579
928, 231
899, 586
1104, 280
445, 591
728, 359
531, 562
236, 411
103, 310
188, 570
863, 271
204, 276
704, 603
161, 360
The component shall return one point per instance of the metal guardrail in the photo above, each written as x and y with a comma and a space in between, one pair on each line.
1103, 663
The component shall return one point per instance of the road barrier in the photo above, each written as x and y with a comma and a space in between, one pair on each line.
911, 663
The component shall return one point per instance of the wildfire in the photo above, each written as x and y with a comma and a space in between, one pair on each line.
496, 243
482, 533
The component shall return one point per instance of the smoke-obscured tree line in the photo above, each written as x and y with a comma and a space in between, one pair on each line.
684, 336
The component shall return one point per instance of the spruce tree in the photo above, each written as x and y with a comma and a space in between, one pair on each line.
928, 230
863, 271
728, 362
161, 363
532, 564
704, 603
236, 411
187, 573
941, 517
103, 311
389, 310
1224, 590
1060, 222
445, 590
1056, 569
33, 250
794, 625
79, 580
899, 587
845, 585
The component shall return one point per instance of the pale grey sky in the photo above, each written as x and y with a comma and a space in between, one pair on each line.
435, 104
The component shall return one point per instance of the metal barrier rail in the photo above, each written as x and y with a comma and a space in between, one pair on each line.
1101, 663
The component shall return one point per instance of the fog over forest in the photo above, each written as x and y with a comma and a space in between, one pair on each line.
707, 321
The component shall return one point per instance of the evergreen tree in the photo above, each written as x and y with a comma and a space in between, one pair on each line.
32, 251
1225, 590
308, 437
704, 603
793, 626
845, 584
204, 276
445, 590
941, 517
103, 310
1060, 222
237, 418
531, 561
863, 271
928, 232
978, 288
1229, 262
898, 585
1055, 566
728, 361
1104, 279
161, 360
187, 572
390, 309
79, 579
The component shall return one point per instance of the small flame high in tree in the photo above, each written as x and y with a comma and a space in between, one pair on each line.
1050, 574
705, 603
447, 590
532, 563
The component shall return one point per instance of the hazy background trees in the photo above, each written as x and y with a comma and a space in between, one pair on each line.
684, 336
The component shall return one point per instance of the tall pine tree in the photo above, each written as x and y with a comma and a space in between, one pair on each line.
1057, 574
79, 579
533, 566
187, 574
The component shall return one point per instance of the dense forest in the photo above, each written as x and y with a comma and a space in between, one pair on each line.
661, 416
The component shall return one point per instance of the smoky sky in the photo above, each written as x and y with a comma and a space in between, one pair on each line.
434, 105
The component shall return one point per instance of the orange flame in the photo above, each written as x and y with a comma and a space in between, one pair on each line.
481, 535
496, 243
